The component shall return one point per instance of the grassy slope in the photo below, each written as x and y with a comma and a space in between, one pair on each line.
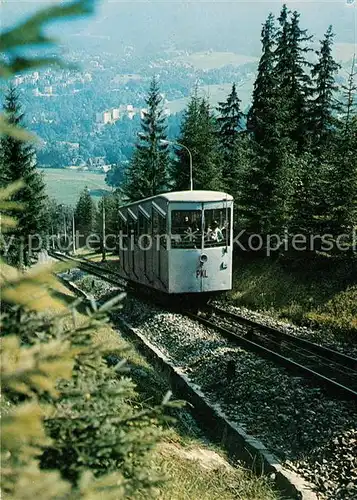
193, 469
65, 185
318, 292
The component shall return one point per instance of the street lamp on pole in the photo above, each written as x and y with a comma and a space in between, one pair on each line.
174, 143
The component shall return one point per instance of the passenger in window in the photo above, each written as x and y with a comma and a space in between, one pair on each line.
215, 233
208, 233
190, 233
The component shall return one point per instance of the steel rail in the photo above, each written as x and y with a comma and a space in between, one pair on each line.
90, 267
250, 345
322, 351
282, 360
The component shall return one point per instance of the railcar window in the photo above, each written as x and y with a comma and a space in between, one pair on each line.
217, 227
144, 229
159, 227
132, 231
143, 224
186, 228
121, 225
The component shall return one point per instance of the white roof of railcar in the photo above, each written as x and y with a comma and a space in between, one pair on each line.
194, 196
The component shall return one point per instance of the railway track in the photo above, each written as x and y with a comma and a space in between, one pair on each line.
335, 371
101, 272
331, 369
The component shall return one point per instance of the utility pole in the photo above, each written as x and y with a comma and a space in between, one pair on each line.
52, 237
73, 235
104, 257
65, 226
21, 255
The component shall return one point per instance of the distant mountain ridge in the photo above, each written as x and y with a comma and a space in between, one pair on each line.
194, 26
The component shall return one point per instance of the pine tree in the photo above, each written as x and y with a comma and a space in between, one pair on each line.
85, 216
264, 93
277, 118
349, 105
282, 52
115, 176
323, 106
199, 135
342, 174
70, 427
229, 120
293, 80
307, 200
230, 127
147, 173
239, 164
266, 124
18, 161
37, 352
300, 89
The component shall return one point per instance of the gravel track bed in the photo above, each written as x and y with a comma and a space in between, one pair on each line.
319, 336
314, 435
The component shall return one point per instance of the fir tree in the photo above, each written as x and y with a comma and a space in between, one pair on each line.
349, 105
300, 89
293, 80
282, 53
229, 120
115, 176
147, 174
199, 135
240, 162
18, 161
307, 204
279, 113
85, 216
342, 187
323, 106
264, 86
266, 124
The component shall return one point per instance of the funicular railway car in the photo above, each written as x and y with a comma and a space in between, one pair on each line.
178, 242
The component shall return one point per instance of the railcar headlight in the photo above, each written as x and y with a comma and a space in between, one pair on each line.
203, 258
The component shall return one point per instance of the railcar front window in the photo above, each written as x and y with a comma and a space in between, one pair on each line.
186, 228
217, 227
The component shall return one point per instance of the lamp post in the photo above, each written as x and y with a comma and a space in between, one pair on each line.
104, 255
174, 143
61, 213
